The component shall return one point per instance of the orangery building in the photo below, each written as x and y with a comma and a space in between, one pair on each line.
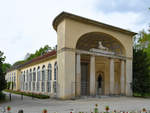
91, 59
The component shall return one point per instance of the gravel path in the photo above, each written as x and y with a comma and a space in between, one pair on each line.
30, 105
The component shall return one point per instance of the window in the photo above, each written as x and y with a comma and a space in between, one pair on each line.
38, 74
49, 75
30, 74
43, 86
24, 77
34, 74
27, 75
43, 73
43, 78
48, 86
14, 81
55, 71
38, 79
55, 86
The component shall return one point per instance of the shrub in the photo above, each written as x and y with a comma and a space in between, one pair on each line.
2, 96
35, 95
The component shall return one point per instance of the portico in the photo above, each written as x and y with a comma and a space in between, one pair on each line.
93, 58
101, 65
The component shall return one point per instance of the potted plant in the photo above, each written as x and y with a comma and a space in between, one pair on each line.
144, 110
45, 111
96, 108
8, 108
107, 109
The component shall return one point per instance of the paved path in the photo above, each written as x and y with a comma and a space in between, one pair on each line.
30, 105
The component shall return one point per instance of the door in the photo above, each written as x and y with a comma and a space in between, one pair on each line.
84, 79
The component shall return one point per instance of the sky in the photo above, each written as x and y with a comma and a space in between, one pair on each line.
26, 25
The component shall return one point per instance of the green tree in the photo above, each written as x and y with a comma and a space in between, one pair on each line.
5, 67
141, 72
39, 52
2, 74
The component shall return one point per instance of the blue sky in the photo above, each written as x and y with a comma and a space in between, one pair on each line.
26, 25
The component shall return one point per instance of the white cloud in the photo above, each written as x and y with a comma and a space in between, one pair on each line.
26, 25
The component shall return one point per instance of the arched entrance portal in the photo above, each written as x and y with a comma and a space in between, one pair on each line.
100, 46
97, 56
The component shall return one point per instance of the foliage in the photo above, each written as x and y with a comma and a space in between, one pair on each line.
144, 41
5, 67
141, 72
35, 95
2, 74
8, 85
18, 62
39, 52
2, 96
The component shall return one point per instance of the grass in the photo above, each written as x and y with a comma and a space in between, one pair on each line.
146, 95
35, 95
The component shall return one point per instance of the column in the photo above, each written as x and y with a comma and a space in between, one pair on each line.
128, 77
111, 76
92, 76
66, 74
78, 75
122, 78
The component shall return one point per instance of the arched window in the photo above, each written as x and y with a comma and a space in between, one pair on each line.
55, 77
38, 74
12, 77
49, 77
27, 74
43, 73
43, 78
30, 79
24, 77
30, 74
38, 79
34, 74
55, 71
27, 79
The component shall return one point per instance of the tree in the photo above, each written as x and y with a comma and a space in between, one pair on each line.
141, 72
144, 41
2, 74
5, 67
37, 53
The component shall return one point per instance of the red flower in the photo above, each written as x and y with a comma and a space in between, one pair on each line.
144, 110
107, 108
8, 108
44, 111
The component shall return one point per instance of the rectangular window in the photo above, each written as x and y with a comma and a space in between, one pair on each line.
37, 86
55, 86
33, 83
48, 86
43, 86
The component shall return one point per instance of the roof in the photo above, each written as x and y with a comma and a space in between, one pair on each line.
37, 59
64, 15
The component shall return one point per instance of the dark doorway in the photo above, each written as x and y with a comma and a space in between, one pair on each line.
84, 79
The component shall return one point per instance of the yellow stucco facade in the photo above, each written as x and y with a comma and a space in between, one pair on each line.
92, 58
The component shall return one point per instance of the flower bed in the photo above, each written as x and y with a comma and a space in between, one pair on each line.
95, 110
35, 95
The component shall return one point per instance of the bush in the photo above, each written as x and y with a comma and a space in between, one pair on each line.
35, 95
2, 96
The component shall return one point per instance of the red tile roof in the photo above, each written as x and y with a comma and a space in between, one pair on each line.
51, 53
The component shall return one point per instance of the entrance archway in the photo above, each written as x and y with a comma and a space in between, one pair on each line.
109, 46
